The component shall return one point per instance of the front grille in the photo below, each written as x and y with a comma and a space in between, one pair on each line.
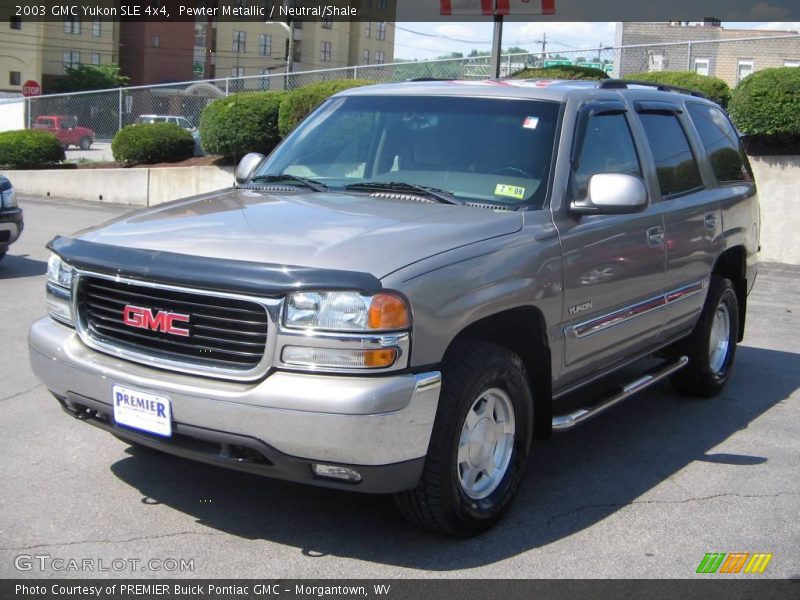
228, 333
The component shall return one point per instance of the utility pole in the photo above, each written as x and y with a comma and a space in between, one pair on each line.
497, 44
543, 42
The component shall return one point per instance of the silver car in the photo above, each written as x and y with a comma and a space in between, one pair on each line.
406, 292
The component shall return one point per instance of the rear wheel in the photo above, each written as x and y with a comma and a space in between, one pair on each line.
480, 442
711, 347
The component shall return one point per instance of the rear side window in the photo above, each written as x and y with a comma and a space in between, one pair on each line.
607, 148
721, 143
675, 164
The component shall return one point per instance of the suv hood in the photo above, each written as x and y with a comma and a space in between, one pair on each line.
322, 230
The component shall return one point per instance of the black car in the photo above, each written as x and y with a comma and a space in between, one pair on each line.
10, 216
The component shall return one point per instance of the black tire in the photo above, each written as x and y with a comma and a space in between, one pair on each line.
85, 143
439, 502
705, 376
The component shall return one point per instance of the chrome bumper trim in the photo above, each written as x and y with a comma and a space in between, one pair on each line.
373, 420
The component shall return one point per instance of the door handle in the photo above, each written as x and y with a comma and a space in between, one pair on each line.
710, 221
655, 236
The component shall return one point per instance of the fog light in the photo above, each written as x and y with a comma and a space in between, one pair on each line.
334, 472
303, 356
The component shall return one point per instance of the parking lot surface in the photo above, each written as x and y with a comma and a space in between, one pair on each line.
644, 490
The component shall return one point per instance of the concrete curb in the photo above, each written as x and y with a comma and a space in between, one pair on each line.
135, 186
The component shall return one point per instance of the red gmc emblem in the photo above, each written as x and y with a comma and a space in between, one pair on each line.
162, 320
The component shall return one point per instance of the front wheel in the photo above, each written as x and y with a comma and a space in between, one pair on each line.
479, 445
711, 347
85, 143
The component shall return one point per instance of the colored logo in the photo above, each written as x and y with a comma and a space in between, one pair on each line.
161, 320
735, 562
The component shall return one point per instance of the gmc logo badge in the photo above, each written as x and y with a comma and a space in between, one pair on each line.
162, 320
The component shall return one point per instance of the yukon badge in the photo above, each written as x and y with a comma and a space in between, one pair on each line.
579, 308
160, 320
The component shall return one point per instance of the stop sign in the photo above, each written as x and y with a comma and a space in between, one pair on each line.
31, 88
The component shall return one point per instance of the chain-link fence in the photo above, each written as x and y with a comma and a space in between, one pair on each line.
106, 112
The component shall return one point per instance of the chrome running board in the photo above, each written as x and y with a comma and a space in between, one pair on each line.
562, 422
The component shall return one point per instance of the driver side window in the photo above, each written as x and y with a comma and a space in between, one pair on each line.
607, 148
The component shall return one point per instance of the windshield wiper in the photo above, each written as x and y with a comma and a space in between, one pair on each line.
309, 183
442, 196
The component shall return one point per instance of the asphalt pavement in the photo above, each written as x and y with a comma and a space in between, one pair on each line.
644, 490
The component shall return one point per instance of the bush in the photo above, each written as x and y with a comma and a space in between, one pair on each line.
152, 143
298, 103
768, 103
28, 148
713, 88
561, 72
241, 123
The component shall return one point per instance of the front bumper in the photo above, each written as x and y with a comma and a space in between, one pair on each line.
11, 225
378, 425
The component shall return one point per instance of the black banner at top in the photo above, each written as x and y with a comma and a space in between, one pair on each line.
400, 10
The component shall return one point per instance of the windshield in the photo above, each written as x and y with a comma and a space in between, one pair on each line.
477, 149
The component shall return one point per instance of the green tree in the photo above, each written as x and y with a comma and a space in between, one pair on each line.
82, 78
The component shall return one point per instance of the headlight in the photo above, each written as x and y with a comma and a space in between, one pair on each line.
59, 290
346, 311
9, 198
59, 272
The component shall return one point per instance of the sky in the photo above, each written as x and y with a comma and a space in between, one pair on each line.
430, 40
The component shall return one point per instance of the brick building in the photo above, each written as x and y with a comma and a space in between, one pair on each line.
707, 48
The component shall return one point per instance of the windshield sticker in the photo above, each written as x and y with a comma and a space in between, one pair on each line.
530, 122
511, 191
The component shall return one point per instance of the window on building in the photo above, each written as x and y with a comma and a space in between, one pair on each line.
72, 25
327, 22
675, 164
14, 78
264, 44
156, 41
743, 69
381, 31
368, 29
325, 51
721, 142
97, 27
15, 22
366, 57
791, 63
607, 148
237, 72
655, 62
379, 58
701, 66
71, 58
383, 4
239, 41
95, 58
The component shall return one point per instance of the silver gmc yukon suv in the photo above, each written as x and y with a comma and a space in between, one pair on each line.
408, 290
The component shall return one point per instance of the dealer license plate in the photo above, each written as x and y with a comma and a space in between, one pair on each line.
141, 410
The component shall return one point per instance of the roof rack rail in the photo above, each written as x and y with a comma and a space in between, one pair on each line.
619, 84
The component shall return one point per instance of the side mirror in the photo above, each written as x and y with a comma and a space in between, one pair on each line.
612, 194
247, 166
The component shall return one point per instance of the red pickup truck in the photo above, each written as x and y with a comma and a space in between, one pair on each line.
67, 130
